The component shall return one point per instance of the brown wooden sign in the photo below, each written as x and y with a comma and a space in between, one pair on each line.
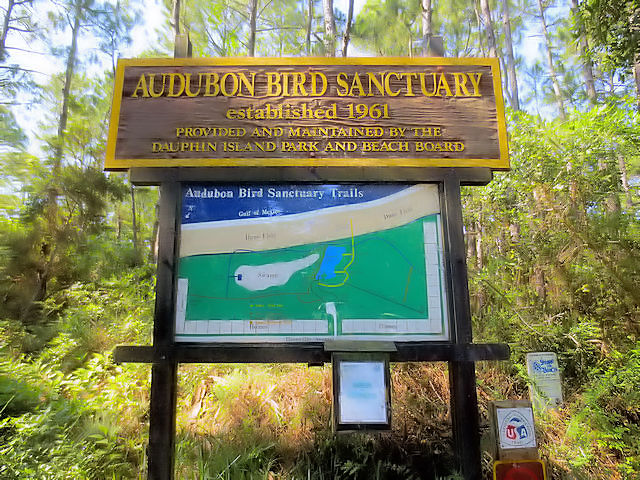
422, 112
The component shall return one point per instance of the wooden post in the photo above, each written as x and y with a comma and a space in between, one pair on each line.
164, 372
462, 374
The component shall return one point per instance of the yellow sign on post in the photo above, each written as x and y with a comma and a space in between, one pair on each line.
419, 112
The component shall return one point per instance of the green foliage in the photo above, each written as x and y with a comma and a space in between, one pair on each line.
213, 457
68, 412
607, 417
46, 434
559, 233
614, 28
221, 28
16, 396
388, 27
12, 135
364, 457
554, 266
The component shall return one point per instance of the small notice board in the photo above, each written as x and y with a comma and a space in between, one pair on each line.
361, 392
546, 387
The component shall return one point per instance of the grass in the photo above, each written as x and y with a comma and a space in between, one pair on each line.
66, 411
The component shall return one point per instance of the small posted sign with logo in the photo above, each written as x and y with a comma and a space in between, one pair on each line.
514, 430
545, 390
516, 427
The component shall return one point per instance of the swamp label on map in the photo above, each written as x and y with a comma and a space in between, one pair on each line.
296, 263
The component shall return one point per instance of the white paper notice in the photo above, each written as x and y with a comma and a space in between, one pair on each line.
546, 391
362, 392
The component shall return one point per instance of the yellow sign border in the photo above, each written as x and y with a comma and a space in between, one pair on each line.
500, 163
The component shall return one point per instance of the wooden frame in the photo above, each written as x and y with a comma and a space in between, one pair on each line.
165, 354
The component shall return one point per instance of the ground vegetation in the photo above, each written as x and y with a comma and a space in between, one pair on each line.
553, 246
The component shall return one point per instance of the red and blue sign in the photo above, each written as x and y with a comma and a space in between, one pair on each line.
516, 427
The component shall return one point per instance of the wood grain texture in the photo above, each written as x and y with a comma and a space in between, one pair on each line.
462, 130
315, 353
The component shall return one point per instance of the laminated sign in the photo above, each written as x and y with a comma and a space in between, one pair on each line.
309, 262
544, 372
419, 112
516, 428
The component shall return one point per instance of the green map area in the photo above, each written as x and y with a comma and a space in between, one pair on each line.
380, 275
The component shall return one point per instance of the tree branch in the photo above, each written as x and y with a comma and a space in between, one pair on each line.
25, 50
15, 67
276, 28
24, 30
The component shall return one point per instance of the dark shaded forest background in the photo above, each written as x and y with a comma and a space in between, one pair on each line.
553, 245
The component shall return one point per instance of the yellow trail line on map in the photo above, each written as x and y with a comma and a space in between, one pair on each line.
346, 267
406, 288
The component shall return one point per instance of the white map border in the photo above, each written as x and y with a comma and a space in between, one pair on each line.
433, 328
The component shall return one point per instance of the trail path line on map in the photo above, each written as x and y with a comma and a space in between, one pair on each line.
310, 227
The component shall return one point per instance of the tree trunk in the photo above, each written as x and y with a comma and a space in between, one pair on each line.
58, 152
536, 277
505, 79
479, 25
552, 71
583, 48
329, 29
488, 28
427, 26
118, 224
612, 201
427, 23
309, 26
624, 179
253, 13
471, 249
514, 101
5, 30
155, 235
68, 76
481, 294
347, 30
175, 17
514, 232
479, 251
636, 75
538, 281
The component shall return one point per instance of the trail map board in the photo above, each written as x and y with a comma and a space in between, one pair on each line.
306, 262
264, 272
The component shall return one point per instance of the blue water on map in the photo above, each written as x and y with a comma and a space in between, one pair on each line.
330, 261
